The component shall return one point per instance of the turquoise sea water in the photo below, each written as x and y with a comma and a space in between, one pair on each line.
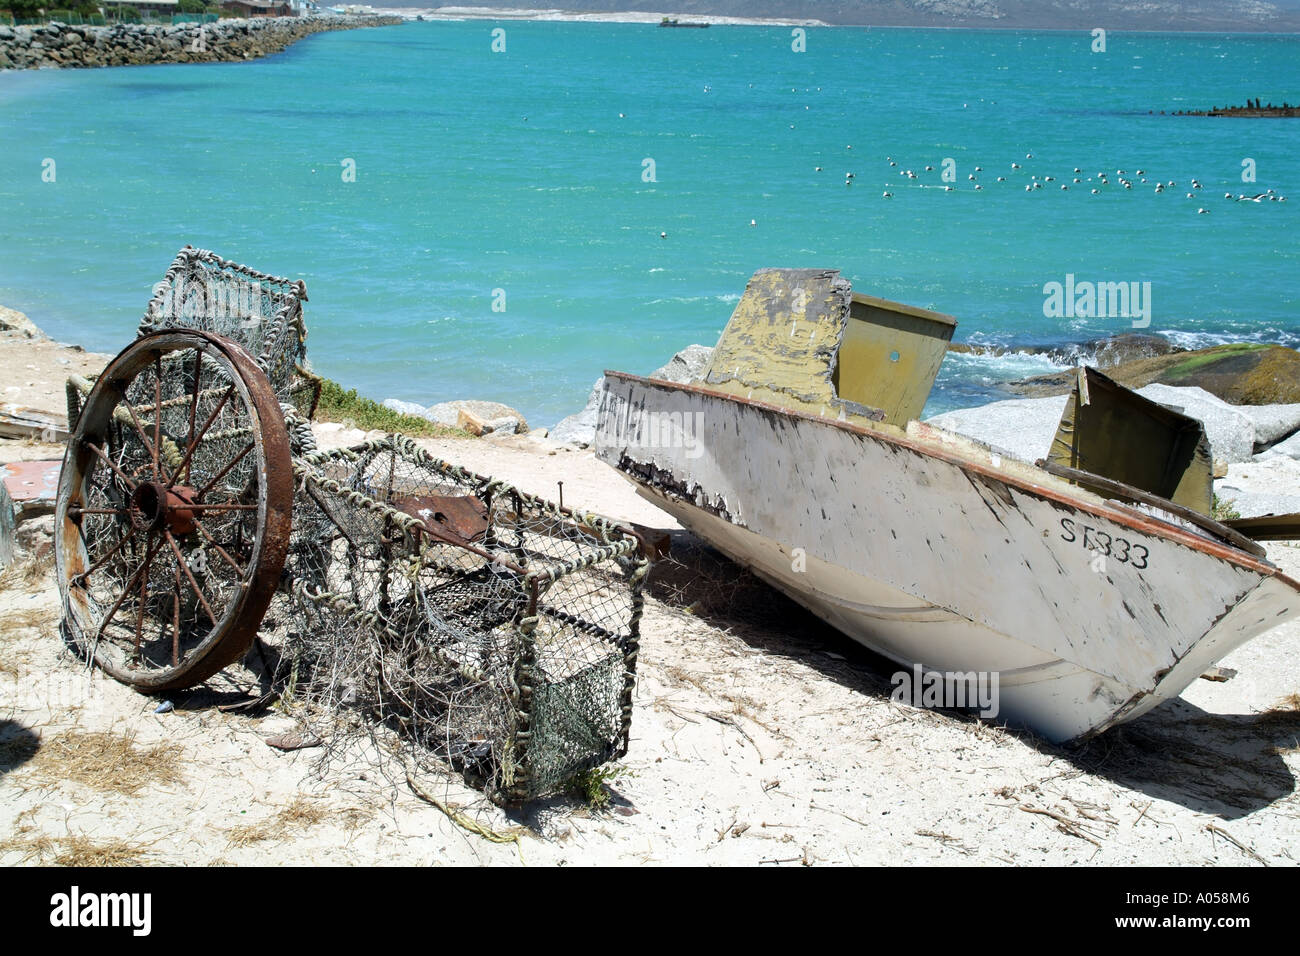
522, 171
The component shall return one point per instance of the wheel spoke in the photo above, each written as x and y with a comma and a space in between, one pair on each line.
130, 485
194, 399
176, 616
157, 415
198, 591
144, 599
144, 437
105, 558
224, 471
195, 439
220, 550
130, 585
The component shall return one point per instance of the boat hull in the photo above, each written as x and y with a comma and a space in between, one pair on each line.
1088, 612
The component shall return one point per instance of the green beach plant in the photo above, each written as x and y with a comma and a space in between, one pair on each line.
338, 404
590, 785
1221, 510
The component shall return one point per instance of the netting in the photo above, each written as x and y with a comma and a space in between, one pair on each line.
494, 631
261, 312
488, 630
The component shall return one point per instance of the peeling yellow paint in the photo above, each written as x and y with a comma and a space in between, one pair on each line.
876, 361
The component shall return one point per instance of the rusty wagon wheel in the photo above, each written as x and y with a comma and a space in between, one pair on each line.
174, 510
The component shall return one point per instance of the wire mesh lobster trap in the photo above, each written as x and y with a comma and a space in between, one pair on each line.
262, 313
496, 631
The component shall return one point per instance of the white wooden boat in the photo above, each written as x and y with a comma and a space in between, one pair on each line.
1091, 596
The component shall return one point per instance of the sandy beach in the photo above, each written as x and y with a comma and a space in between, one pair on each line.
759, 736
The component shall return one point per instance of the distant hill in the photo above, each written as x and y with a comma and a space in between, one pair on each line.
1275, 16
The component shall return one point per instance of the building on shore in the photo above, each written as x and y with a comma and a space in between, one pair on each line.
259, 8
146, 7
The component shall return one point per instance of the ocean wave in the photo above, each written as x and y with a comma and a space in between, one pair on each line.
990, 368
1268, 335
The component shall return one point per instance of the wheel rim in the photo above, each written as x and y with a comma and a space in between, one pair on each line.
174, 510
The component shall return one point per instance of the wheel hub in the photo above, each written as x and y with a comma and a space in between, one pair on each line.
154, 505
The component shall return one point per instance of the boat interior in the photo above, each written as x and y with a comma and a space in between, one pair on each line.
802, 339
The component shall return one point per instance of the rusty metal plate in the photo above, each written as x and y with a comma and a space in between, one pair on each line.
32, 485
464, 517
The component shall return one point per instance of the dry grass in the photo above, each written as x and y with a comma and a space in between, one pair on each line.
32, 573
29, 847
28, 619
83, 851
75, 850
677, 676
107, 762
1285, 713
298, 815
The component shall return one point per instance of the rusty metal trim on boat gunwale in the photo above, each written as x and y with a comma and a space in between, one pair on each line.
1126, 517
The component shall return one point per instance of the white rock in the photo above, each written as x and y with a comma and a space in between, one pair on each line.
688, 365
1021, 427
1230, 431
14, 321
1283, 449
1272, 422
448, 413
580, 429
1262, 487
403, 408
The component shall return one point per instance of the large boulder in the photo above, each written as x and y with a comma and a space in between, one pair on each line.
1242, 374
580, 429
688, 365
12, 321
1283, 449
1273, 423
1230, 431
1020, 427
448, 413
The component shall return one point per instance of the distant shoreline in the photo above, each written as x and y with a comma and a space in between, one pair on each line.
578, 16
80, 46
560, 15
